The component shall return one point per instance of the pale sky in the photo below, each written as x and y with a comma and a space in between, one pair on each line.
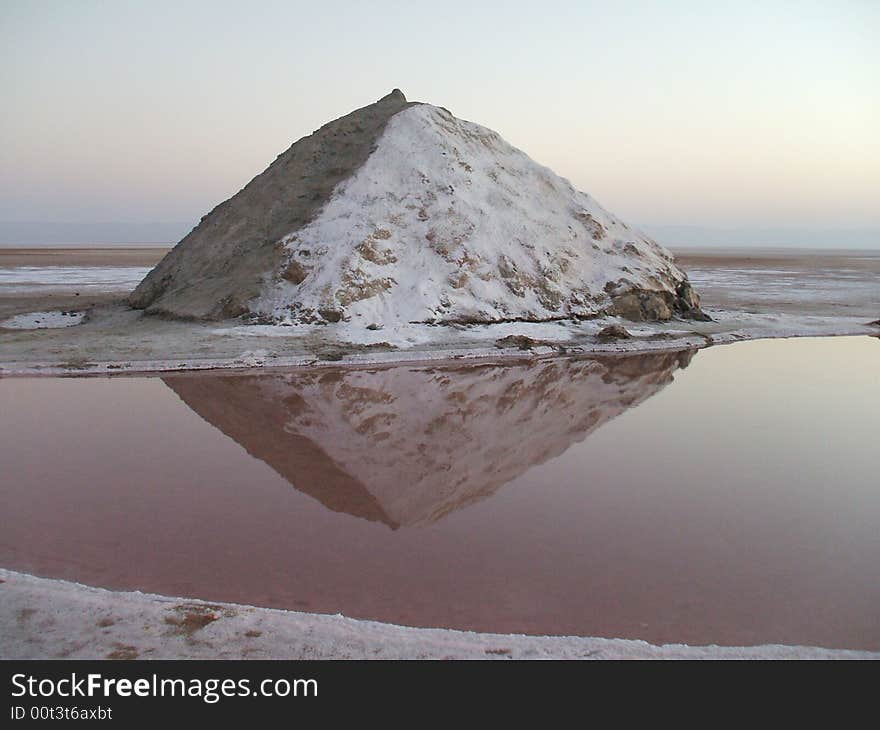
740, 115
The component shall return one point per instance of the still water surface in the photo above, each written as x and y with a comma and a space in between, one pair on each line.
729, 496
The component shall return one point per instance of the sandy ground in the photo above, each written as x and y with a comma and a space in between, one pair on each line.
83, 256
759, 258
43, 619
18, 303
786, 281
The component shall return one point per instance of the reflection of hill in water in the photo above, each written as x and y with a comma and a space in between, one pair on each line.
407, 445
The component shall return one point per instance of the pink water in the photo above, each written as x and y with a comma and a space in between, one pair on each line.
735, 501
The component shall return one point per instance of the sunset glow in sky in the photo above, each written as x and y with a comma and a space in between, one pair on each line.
742, 115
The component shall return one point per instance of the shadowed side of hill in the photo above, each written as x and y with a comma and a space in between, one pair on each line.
219, 266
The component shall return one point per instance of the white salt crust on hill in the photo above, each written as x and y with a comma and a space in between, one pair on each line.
400, 213
447, 221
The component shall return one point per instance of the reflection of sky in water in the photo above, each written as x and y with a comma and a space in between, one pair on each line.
735, 505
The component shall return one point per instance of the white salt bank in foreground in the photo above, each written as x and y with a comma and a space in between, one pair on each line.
51, 619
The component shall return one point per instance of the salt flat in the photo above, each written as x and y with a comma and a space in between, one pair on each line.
748, 293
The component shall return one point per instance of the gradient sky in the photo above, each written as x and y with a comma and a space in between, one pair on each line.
745, 115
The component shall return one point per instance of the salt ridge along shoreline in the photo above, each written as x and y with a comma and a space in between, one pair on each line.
261, 358
43, 618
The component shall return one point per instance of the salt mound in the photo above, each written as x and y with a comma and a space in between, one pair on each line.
400, 212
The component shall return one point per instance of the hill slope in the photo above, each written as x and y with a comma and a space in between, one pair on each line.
399, 212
